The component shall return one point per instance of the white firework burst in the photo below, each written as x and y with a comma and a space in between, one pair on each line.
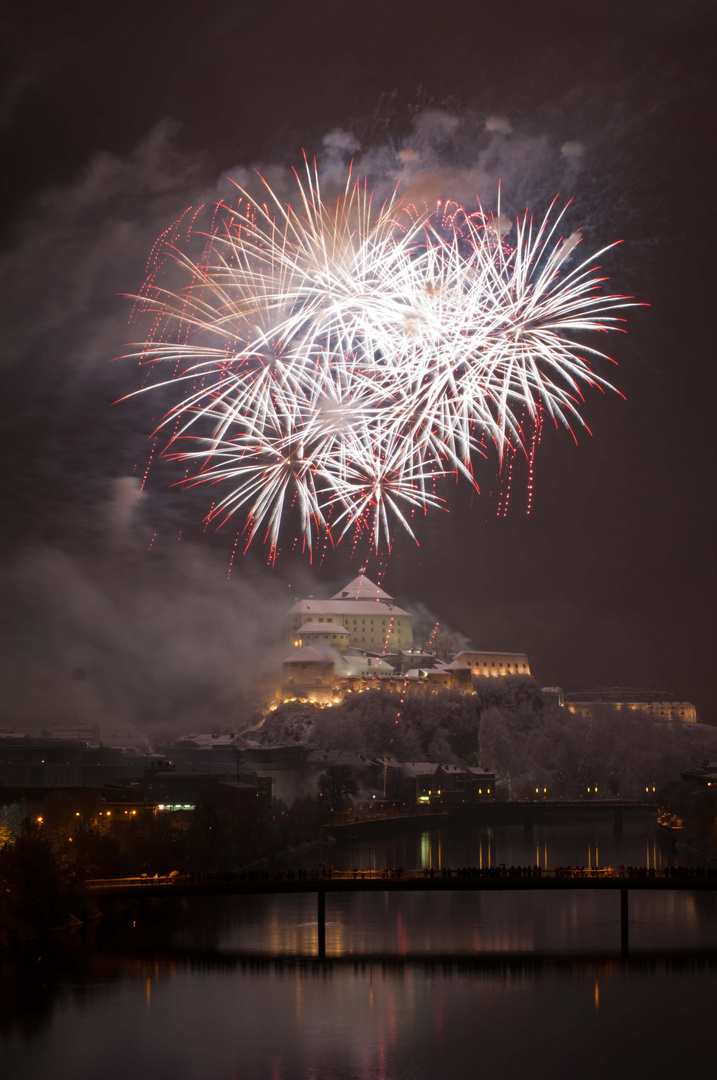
340, 359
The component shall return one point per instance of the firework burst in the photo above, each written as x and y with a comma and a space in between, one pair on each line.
339, 360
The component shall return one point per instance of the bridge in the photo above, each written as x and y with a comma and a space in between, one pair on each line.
527, 813
415, 881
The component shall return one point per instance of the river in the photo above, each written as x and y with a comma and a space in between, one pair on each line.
520, 985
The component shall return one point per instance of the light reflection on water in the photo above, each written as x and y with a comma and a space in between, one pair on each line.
590, 844
194, 1020
467, 923
456, 984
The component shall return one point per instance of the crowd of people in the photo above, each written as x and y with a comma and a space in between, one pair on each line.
324, 872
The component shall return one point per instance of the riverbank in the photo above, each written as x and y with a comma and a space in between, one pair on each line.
15, 932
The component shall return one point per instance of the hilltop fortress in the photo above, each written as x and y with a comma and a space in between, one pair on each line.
360, 639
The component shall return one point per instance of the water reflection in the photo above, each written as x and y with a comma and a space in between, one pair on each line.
591, 844
414, 986
196, 1015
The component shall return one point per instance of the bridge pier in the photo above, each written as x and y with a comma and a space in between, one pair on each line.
321, 895
624, 928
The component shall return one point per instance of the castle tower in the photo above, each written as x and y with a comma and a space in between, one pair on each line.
363, 610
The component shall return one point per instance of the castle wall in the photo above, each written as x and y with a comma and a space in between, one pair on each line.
494, 664
682, 711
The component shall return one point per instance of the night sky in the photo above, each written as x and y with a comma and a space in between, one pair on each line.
113, 120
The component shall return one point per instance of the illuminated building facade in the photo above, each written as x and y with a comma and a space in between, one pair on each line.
682, 711
654, 703
362, 612
493, 664
309, 673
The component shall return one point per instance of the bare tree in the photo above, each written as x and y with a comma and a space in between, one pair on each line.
445, 645
335, 784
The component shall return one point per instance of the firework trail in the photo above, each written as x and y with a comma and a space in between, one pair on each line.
337, 361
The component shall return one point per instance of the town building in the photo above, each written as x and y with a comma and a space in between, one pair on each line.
121, 735
63, 762
436, 784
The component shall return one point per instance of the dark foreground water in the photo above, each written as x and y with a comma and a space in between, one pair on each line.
519, 985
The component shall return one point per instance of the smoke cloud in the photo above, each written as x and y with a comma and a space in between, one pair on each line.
111, 634
572, 149
500, 124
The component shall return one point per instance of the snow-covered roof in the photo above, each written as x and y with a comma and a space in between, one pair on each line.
207, 739
376, 664
456, 665
420, 768
490, 652
308, 655
323, 758
389, 761
361, 588
347, 607
121, 734
350, 664
425, 673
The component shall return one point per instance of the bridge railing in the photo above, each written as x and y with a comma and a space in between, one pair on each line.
578, 873
132, 882
350, 817
437, 808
